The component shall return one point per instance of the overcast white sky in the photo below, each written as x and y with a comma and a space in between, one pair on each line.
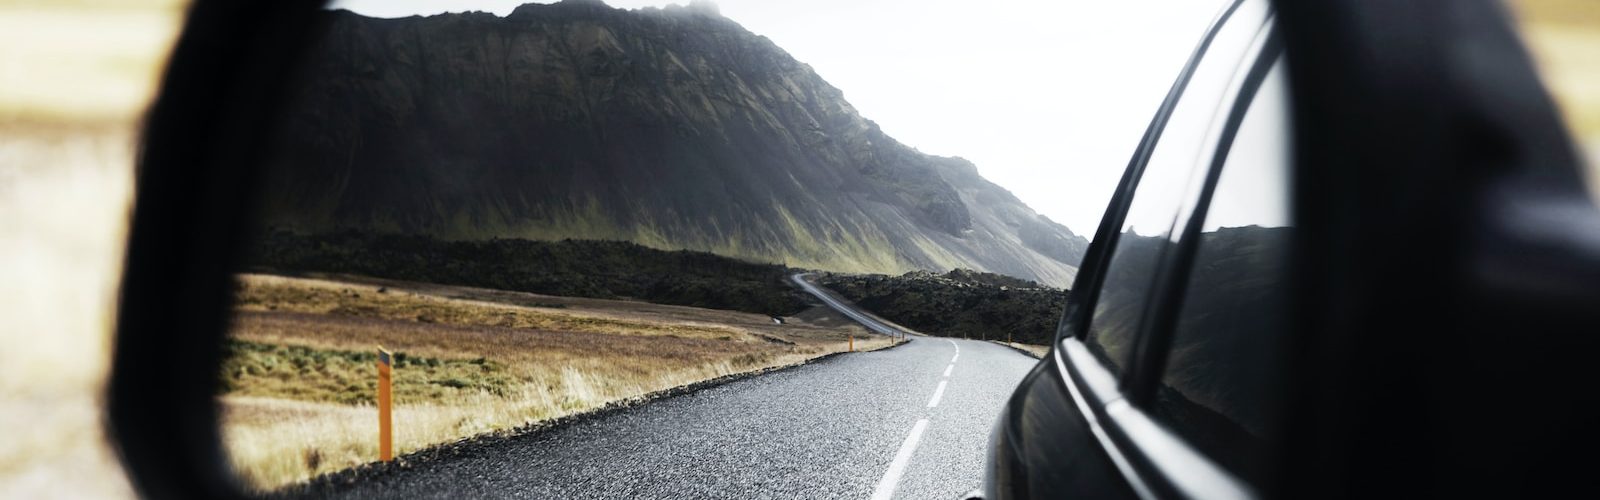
1048, 98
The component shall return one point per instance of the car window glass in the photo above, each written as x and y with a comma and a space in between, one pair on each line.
1216, 387
1162, 187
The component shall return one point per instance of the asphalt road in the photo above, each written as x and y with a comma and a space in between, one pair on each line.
907, 422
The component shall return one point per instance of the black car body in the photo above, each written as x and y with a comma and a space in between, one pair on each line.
1344, 314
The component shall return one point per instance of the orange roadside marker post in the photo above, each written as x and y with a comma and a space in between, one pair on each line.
385, 420
852, 342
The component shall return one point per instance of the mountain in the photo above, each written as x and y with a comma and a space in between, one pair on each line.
674, 128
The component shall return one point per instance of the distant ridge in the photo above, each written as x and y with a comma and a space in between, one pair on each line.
674, 128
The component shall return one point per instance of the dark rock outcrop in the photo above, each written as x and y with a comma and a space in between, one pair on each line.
959, 303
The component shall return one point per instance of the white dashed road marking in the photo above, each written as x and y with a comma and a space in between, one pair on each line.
937, 393
891, 477
902, 459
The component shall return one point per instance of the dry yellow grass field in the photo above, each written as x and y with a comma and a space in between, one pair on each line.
300, 381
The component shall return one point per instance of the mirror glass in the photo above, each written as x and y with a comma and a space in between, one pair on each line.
638, 249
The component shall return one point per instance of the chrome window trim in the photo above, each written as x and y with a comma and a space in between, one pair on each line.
1099, 383
1191, 473
1072, 379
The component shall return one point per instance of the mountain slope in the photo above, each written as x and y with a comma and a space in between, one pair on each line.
674, 128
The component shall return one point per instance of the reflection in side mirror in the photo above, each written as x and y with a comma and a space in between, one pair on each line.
569, 214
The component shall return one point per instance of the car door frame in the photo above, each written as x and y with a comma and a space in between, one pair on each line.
1156, 462
1439, 208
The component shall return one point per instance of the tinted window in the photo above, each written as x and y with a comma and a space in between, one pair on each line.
1217, 385
1163, 187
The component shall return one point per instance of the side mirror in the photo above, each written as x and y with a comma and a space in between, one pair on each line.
1448, 257
198, 160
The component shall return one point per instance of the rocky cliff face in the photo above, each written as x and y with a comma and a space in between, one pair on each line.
673, 128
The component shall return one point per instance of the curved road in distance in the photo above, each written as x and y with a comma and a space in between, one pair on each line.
848, 310
907, 422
